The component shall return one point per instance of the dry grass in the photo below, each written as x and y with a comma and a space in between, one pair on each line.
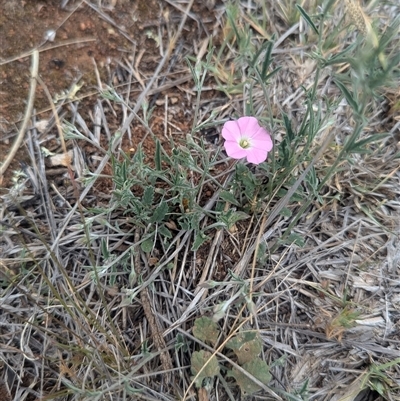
87, 314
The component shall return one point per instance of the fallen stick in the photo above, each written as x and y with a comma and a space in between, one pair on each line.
27, 117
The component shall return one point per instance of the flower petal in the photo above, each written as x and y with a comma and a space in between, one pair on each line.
257, 156
247, 125
258, 132
234, 150
264, 143
231, 131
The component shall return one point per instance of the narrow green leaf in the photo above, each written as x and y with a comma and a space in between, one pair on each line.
304, 387
272, 73
193, 72
341, 57
104, 249
257, 55
231, 12
359, 146
307, 18
350, 100
288, 127
267, 61
157, 156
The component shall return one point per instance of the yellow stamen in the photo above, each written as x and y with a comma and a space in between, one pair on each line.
244, 143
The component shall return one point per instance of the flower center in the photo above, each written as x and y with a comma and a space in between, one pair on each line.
244, 143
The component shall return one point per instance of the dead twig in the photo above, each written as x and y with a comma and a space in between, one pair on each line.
28, 114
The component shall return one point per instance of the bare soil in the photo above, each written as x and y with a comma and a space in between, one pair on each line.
90, 40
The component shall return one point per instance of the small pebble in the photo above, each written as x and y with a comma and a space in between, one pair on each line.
50, 35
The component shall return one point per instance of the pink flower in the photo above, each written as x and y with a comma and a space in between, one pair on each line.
245, 138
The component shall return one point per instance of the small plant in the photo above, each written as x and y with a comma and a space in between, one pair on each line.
380, 378
204, 365
164, 195
246, 346
344, 320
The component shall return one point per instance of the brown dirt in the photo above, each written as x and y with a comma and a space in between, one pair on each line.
103, 39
